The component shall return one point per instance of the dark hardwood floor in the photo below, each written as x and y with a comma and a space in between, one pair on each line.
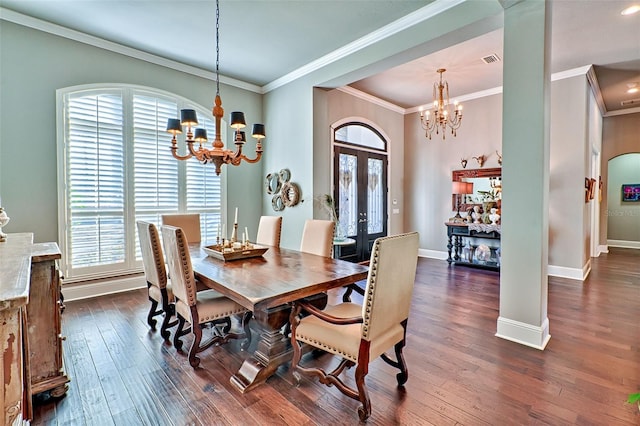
459, 372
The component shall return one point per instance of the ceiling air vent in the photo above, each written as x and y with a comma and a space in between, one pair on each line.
630, 102
491, 59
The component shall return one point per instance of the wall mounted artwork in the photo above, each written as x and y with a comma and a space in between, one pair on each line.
631, 193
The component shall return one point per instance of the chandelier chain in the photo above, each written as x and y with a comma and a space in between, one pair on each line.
217, 47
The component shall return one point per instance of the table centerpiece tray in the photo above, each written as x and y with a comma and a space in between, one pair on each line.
228, 253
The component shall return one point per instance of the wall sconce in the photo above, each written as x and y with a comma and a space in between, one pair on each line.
481, 159
499, 157
463, 163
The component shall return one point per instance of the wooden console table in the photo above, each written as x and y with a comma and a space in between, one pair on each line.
30, 332
458, 232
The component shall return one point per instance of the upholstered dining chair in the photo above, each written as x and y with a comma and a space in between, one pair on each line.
190, 224
199, 308
317, 237
359, 334
269, 229
159, 287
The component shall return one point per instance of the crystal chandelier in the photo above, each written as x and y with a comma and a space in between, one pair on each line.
443, 115
217, 155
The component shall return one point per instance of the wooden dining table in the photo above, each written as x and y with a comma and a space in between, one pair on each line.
266, 285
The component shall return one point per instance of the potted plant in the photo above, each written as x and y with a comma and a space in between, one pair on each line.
329, 205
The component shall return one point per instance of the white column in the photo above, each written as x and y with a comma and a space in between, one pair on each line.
525, 174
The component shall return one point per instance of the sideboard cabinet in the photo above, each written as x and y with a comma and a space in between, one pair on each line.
473, 245
44, 320
30, 337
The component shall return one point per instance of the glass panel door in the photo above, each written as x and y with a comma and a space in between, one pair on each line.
361, 196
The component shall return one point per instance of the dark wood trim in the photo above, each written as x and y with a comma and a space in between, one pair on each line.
458, 175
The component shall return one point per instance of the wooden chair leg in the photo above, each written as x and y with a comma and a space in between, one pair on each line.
195, 346
179, 333
363, 396
153, 311
403, 375
169, 312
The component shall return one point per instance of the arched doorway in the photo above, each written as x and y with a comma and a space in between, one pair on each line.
360, 186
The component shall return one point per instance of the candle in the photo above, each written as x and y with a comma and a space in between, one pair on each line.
218, 232
244, 241
246, 231
236, 220
224, 231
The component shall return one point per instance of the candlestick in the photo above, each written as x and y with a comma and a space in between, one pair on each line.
234, 233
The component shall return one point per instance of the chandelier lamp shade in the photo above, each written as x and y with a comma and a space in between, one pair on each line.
444, 114
217, 154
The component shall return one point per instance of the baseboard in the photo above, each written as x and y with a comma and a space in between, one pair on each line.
571, 273
624, 244
433, 254
103, 287
603, 249
525, 334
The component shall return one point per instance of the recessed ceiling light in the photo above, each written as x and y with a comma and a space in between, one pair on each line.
633, 88
631, 10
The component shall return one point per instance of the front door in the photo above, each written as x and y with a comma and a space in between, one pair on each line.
360, 182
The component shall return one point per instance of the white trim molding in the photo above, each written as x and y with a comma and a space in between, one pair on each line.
570, 273
624, 244
433, 254
603, 249
525, 334
372, 99
104, 287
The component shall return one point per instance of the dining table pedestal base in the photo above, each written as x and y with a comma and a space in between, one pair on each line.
273, 348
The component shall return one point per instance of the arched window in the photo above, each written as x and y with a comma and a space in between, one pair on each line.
115, 167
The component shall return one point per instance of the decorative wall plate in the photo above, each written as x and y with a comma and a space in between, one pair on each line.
290, 194
273, 183
285, 175
276, 203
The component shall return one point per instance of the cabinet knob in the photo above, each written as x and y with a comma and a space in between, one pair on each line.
61, 337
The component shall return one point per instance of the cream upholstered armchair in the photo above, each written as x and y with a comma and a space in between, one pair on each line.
269, 230
317, 237
159, 287
359, 334
190, 224
198, 307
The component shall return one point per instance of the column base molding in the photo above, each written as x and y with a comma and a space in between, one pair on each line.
525, 334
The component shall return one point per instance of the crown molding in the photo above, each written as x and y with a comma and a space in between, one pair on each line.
387, 31
625, 111
463, 98
372, 99
57, 30
573, 72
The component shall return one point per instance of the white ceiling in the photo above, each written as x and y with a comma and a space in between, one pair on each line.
263, 40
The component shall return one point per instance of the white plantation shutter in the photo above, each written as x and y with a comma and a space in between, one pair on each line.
96, 180
118, 168
204, 192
